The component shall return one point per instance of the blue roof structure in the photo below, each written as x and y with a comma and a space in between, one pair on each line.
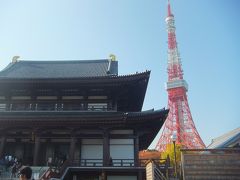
229, 140
60, 69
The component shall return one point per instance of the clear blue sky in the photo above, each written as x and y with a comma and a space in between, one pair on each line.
135, 31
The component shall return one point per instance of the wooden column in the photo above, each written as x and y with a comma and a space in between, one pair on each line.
72, 148
114, 104
36, 150
106, 149
2, 145
136, 150
8, 102
103, 176
140, 175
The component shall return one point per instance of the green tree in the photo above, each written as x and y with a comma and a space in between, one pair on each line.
170, 152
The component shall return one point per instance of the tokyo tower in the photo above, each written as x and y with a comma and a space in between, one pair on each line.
179, 121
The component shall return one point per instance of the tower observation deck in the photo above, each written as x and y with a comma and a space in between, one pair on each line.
179, 121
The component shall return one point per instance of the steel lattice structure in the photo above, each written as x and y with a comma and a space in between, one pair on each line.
179, 120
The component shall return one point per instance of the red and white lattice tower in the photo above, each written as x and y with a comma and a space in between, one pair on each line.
179, 121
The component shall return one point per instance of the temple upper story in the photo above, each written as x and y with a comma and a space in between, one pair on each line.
89, 85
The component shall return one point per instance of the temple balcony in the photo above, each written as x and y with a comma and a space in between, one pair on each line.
56, 107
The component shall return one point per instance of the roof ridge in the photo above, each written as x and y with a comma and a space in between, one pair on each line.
59, 68
61, 61
227, 135
12, 65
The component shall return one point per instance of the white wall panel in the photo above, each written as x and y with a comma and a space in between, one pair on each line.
121, 141
92, 152
92, 141
123, 131
122, 151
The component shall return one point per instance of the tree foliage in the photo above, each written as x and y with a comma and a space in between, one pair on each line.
170, 152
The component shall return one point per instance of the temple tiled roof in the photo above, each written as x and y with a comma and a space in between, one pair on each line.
149, 122
60, 69
229, 139
81, 116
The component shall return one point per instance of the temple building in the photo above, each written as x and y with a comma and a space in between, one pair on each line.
230, 139
79, 113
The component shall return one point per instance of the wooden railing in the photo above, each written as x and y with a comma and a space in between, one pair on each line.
157, 169
113, 163
52, 107
57, 172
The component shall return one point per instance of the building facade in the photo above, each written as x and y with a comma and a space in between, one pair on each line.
80, 112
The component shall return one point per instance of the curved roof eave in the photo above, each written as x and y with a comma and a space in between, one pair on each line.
150, 114
108, 78
148, 123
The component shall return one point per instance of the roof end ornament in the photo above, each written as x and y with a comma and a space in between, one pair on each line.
15, 59
112, 57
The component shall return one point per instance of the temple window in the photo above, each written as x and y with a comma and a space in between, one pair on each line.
97, 106
97, 97
122, 131
46, 106
20, 97
92, 152
20, 106
46, 97
72, 106
2, 97
122, 152
2, 107
72, 97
